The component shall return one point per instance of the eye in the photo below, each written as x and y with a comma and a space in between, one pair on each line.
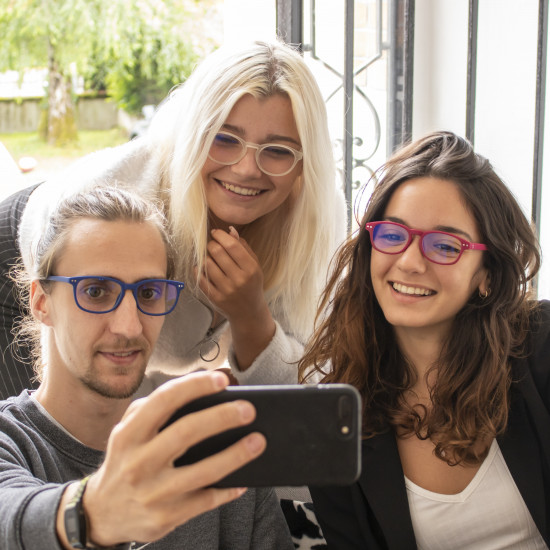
151, 291
446, 246
225, 140
390, 235
277, 151
94, 290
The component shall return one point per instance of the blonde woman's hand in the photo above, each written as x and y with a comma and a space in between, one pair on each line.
233, 282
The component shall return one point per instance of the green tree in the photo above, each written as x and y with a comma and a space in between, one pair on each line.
136, 49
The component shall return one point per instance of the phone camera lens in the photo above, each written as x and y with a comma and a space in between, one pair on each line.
345, 415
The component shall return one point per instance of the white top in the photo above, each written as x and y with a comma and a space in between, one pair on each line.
489, 514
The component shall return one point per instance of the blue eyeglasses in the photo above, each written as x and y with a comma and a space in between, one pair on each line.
104, 294
437, 246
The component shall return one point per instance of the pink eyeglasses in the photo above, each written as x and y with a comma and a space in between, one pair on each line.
437, 246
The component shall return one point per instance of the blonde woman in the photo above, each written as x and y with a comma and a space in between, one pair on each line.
241, 159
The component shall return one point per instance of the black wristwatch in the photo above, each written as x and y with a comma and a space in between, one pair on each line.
76, 523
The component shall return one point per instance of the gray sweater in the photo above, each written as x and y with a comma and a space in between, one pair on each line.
38, 459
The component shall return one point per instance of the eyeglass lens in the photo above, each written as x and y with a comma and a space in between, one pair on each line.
153, 297
439, 247
272, 158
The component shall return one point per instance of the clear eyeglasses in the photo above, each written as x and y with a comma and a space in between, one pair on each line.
437, 246
97, 294
273, 159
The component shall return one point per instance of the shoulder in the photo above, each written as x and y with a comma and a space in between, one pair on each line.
20, 418
15, 408
539, 327
130, 164
535, 363
17, 432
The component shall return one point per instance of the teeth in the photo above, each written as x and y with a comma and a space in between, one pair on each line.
412, 290
125, 354
240, 190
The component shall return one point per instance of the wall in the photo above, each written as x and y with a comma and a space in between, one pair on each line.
24, 116
505, 91
19, 117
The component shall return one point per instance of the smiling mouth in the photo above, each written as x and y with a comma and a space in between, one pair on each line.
411, 290
121, 354
243, 191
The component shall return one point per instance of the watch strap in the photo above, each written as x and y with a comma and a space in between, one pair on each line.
76, 522
75, 518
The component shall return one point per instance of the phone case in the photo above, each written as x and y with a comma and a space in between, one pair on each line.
312, 431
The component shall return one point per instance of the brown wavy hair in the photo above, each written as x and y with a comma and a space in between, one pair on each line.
354, 343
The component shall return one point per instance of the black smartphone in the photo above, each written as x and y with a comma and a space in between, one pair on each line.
313, 435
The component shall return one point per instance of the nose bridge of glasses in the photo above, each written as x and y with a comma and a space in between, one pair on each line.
123, 295
245, 145
412, 233
250, 145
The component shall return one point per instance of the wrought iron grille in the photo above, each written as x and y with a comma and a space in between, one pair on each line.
297, 22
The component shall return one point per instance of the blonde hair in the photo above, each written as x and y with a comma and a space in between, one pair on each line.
294, 243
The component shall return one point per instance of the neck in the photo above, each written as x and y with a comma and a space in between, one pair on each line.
422, 350
86, 415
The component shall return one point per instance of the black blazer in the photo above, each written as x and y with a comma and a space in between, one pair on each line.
373, 513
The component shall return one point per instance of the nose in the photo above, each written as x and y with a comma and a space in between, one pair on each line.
248, 167
412, 260
126, 320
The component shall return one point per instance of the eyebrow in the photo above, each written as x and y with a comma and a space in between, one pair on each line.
269, 138
444, 228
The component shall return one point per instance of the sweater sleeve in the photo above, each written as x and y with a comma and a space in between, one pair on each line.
270, 530
276, 364
28, 506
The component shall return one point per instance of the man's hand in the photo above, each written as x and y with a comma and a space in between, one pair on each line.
137, 494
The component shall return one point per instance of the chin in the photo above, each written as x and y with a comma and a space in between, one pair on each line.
117, 389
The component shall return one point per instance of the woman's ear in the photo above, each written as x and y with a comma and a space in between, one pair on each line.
484, 287
40, 303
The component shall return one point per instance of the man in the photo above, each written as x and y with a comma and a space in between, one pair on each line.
81, 465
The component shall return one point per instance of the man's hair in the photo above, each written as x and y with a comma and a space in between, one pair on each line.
294, 243
471, 393
107, 203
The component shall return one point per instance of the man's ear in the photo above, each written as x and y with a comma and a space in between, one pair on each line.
40, 303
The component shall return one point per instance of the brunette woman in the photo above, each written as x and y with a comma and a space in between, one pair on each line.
432, 319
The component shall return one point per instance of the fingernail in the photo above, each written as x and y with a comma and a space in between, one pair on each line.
236, 492
220, 380
246, 410
255, 443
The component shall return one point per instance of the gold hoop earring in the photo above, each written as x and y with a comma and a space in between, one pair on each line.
485, 294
